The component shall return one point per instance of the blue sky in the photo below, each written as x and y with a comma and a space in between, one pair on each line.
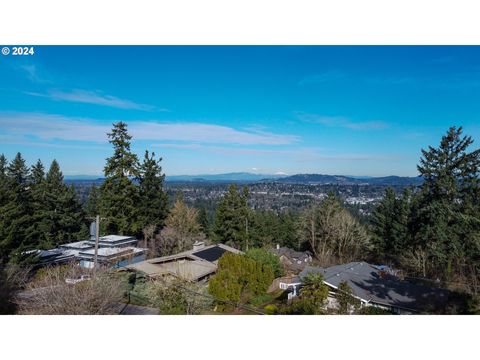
289, 109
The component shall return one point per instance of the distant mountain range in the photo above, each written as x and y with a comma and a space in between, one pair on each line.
350, 180
245, 177
235, 177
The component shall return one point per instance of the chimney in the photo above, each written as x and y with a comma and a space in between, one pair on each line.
198, 245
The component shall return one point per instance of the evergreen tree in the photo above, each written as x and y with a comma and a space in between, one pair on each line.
16, 210
203, 220
345, 298
232, 218
39, 190
239, 277
153, 200
3, 181
59, 216
446, 221
119, 195
390, 226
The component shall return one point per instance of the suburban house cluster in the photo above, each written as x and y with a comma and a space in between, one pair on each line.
371, 285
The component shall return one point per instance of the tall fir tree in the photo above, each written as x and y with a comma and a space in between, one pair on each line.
59, 215
389, 222
119, 195
153, 204
3, 180
447, 222
203, 220
16, 211
232, 218
39, 191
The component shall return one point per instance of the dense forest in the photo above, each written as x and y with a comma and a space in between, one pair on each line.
430, 231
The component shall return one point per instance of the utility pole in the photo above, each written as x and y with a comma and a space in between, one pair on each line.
97, 238
246, 233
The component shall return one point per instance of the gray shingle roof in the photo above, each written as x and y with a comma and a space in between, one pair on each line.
373, 285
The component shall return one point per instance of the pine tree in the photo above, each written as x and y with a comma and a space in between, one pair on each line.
153, 200
119, 195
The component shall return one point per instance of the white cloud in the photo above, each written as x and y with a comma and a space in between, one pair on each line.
341, 121
94, 97
51, 126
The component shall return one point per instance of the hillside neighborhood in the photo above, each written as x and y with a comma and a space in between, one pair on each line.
148, 253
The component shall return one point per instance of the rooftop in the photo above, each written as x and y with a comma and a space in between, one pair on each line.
115, 238
80, 245
191, 265
373, 285
111, 252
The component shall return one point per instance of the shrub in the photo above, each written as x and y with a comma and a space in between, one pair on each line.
239, 277
345, 299
265, 257
270, 309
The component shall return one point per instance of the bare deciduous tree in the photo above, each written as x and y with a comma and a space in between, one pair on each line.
181, 230
333, 233
50, 294
12, 279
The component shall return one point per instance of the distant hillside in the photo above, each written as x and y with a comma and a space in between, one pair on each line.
245, 177
346, 180
229, 177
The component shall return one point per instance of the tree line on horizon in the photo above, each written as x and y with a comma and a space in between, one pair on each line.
431, 231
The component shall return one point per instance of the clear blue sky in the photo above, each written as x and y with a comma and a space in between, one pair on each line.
333, 110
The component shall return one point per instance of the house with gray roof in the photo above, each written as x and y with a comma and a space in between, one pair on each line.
291, 259
374, 286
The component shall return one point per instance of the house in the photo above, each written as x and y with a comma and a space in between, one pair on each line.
113, 251
112, 256
373, 286
196, 264
291, 259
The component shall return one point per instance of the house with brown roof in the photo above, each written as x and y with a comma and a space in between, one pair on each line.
196, 264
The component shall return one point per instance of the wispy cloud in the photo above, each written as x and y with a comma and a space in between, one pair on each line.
94, 97
305, 154
52, 126
341, 121
32, 73
328, 76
